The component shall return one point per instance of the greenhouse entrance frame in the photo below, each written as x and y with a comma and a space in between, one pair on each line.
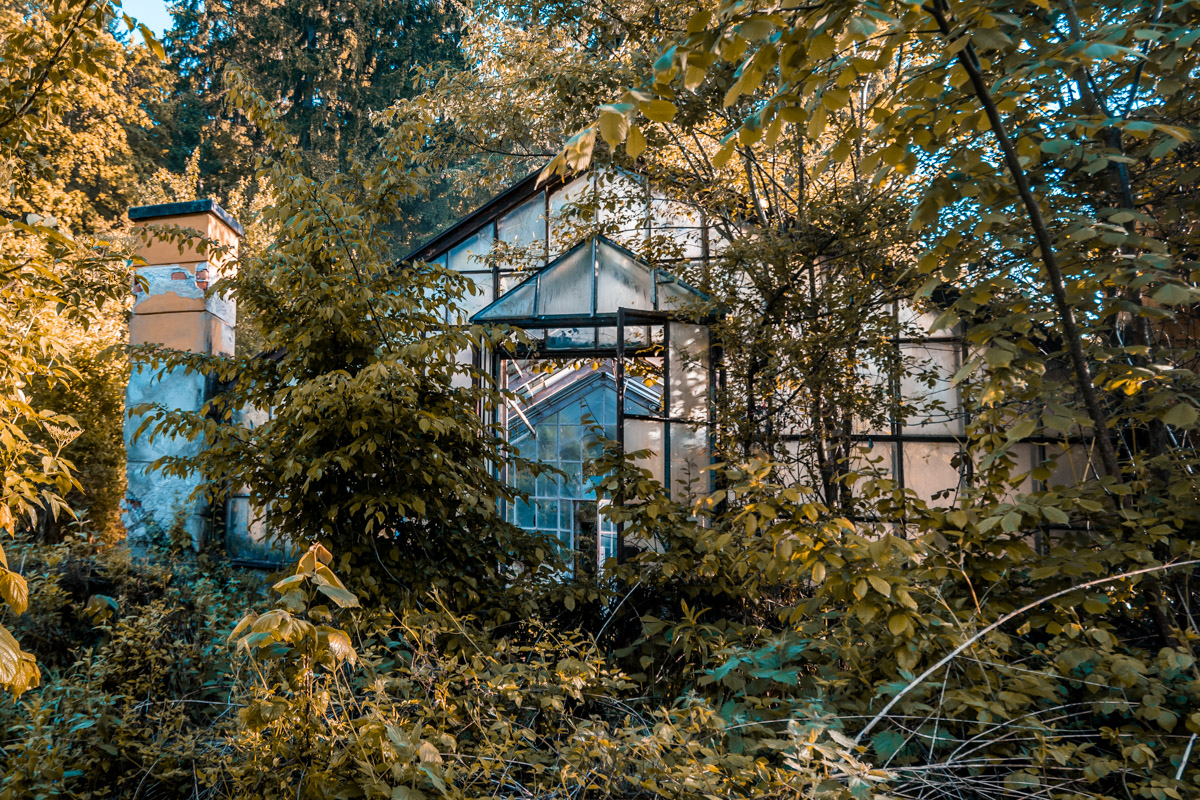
676, 443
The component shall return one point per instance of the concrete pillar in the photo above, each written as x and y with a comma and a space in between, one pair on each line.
171, 309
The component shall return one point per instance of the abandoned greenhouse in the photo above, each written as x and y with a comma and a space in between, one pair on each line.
614, 345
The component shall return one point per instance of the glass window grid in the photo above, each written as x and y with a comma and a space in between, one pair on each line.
562, 442
917, 454
548, 498
645, 223
905, 444
569, 427
902, 432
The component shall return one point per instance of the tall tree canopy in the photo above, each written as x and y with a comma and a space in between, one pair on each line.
328, 67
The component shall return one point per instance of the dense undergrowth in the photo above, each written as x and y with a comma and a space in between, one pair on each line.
135, 674
756, 657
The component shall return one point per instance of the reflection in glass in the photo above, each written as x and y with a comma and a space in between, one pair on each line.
468, 255
525, 225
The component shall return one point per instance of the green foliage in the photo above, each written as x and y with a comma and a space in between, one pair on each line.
75, 134
434, 703
134, 669
1030, 147
1025, 178
334, 67
53, 58
94, 397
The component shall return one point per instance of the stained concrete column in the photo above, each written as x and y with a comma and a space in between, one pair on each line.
171, 309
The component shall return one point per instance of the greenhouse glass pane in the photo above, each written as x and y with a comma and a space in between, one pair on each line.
637, 336
1070, 466
927, 388
608, 545
643, 395
525, 515
248, 537
510, 279
688, 372
565, 287
547, 441
571, 413
570, 338
927, 469
436, 291
674, 296
621, 282
918, 322
570, 442
1023, 456
795, 465
526, 445
474, 300
877, 460
621, 202
547, 515
642, 435
676, 227
516, 304
875, 396
689, 457
593, 409
468, 255
572, 484
525, 482
571, 213
566, 540
525, 226
607, 533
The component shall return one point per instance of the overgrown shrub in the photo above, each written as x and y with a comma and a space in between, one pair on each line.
135, 673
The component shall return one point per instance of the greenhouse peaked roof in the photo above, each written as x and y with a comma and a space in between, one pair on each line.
589, 282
